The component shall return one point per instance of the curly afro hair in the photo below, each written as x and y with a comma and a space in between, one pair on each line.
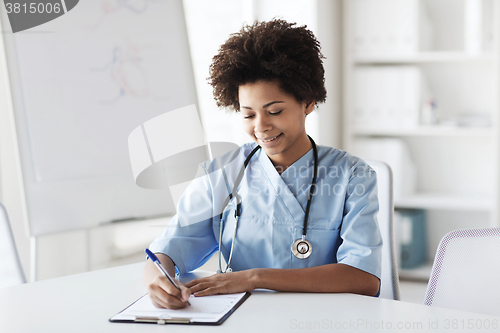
269, 51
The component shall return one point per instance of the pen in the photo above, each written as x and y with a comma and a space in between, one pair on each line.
157, 262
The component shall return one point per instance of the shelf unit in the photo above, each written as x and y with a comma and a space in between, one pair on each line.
424, 57
426, 131
421, 273
457, 177
445, 202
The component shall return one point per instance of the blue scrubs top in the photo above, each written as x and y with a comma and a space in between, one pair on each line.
342, 226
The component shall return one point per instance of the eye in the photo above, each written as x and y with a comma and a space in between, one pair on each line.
249, 116
275, 113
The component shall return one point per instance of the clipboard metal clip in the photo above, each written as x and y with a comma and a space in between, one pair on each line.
161, 321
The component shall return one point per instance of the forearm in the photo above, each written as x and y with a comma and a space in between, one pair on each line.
331, 278
151, 271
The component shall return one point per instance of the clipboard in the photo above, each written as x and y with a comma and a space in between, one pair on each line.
206, 310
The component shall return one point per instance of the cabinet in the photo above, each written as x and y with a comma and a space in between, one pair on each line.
421, 89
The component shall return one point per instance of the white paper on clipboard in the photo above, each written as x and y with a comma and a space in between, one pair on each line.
207, 309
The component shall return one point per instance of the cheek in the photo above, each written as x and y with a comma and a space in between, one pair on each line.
301, 122
248, 128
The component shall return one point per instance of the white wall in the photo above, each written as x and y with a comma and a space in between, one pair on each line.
210, 23
329, 33
11, 190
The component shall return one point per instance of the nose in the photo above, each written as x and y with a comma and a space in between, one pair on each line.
262, 124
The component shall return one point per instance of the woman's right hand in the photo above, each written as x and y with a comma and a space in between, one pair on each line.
162, 292
164, 295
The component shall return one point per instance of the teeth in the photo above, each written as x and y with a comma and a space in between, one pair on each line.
271, 139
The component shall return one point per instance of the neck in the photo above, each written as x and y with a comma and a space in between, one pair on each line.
283, 161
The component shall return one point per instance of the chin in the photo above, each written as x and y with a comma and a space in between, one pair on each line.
272, 151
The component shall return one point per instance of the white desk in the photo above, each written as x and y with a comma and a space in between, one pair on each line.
85, 302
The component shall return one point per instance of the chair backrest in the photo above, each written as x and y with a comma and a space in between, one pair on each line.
389, 283
466, 272
11, 272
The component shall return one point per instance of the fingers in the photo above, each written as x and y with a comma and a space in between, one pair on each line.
211, 285
192, 283
164, 295
209, 279
199, 286
185, 293
163, 300
235, 282
206, 288
208, 291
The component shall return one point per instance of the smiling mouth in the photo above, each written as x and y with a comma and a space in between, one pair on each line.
270, 139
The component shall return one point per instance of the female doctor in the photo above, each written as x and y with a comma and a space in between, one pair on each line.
286, 214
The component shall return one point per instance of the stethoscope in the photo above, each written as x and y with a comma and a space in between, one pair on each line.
301, 248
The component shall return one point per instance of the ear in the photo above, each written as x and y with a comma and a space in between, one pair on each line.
309, 107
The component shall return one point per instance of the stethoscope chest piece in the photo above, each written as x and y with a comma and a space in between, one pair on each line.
301, 248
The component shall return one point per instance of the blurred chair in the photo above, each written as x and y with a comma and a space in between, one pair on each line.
466, 272
389, 283
11, 272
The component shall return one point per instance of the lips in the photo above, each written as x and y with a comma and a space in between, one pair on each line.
270, 139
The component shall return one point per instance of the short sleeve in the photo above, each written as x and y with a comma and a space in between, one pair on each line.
189, 238
361, 239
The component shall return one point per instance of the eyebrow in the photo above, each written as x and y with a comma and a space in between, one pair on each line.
264, 106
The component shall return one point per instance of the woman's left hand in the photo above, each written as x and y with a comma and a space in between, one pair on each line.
227, 283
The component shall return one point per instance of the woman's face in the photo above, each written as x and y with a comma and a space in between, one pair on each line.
275, 120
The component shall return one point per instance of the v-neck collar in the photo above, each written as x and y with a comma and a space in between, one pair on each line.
279, 182
299, 168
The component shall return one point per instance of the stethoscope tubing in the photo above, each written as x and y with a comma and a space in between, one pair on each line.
237, 212
313, 186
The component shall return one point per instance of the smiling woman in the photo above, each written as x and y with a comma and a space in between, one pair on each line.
276, 213
276, 121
